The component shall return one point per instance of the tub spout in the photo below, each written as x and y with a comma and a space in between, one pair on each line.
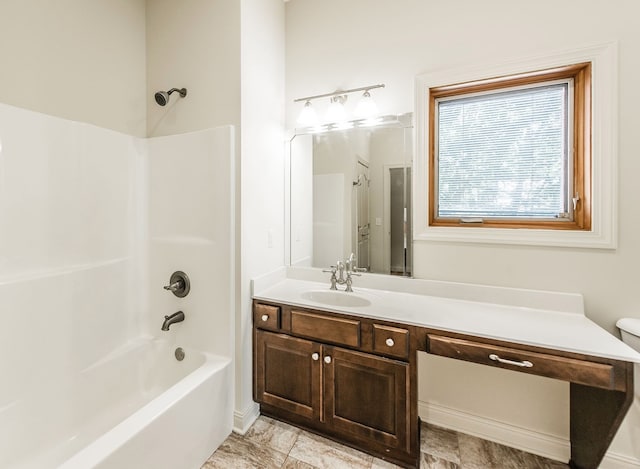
172, 319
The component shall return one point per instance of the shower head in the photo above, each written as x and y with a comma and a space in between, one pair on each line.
162, 97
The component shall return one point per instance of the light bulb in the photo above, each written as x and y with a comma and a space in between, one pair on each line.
366, 107
336, 111
308, 116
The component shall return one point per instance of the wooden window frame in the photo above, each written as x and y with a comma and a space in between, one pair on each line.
581, 134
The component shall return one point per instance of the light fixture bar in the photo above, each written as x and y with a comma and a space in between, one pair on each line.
340, 92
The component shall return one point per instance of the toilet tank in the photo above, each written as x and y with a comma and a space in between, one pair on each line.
630, 331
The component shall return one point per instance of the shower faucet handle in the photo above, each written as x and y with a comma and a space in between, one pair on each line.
174, 287
179, 284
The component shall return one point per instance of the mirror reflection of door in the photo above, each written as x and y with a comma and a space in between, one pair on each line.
362, 225
400, 226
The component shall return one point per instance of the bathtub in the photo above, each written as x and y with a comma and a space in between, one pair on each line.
139, 407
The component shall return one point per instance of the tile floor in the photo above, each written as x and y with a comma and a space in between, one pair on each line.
271, 444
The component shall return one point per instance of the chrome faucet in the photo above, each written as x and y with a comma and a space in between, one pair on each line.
340, 267
349, 281
334, 279
172, 319
338, 274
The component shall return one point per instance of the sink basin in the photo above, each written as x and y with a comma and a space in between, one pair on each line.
335, 298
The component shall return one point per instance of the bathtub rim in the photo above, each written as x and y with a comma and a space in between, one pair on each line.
101, 448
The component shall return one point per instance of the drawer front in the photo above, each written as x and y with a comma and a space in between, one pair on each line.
266, 316
326, 328
567, 369
392, 341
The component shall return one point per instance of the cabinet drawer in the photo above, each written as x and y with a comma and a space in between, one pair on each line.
326, 328
266, 316
568, 369
392, 341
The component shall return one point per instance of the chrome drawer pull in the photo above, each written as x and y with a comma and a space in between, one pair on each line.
265, 317
389, 342
524, 364
315, 356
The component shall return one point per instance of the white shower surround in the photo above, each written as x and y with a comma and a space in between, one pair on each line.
90, 230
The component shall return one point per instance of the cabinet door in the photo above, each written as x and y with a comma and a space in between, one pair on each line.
366, 396
288, 373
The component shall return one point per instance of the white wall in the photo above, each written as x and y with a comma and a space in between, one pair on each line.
336, 44
335, 156
68, 193
68, 289
301, 209
73, 201
329, 206
193, 44
262, 172
191, 210
79, 60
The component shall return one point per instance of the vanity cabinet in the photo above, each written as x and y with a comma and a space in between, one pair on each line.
288, 373
354, 379
600, 389
366, 396
349, 379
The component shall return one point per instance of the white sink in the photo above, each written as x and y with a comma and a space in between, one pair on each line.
335, 298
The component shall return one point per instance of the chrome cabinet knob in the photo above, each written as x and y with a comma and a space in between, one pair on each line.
265, 317
327, 359
315, 356
389, 342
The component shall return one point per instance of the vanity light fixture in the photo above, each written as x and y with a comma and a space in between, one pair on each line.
336, 111
366, 108
389, 121
308, 116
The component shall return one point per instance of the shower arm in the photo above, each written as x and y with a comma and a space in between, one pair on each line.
182, 91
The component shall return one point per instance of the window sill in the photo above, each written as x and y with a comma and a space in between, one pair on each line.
529, 237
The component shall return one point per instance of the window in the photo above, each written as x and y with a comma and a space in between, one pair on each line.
513, 151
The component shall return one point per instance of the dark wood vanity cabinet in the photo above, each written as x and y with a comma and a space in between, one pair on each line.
354, 379
287, 375
601, 389
366, 396
337, 386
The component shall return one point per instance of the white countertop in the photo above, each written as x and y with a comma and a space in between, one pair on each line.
548, 327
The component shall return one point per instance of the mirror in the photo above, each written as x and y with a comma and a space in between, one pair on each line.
350, 192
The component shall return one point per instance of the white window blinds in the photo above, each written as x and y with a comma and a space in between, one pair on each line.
504, 154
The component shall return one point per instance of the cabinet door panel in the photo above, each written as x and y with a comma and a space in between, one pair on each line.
366, 396
287, 375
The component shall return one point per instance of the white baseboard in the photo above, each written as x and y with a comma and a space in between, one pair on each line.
242, 420
619, 461
549, 446
543, 444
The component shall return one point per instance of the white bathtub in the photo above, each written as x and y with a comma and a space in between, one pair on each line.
137, 408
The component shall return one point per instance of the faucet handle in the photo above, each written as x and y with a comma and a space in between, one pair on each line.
174, 287
334, 279
179, 284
